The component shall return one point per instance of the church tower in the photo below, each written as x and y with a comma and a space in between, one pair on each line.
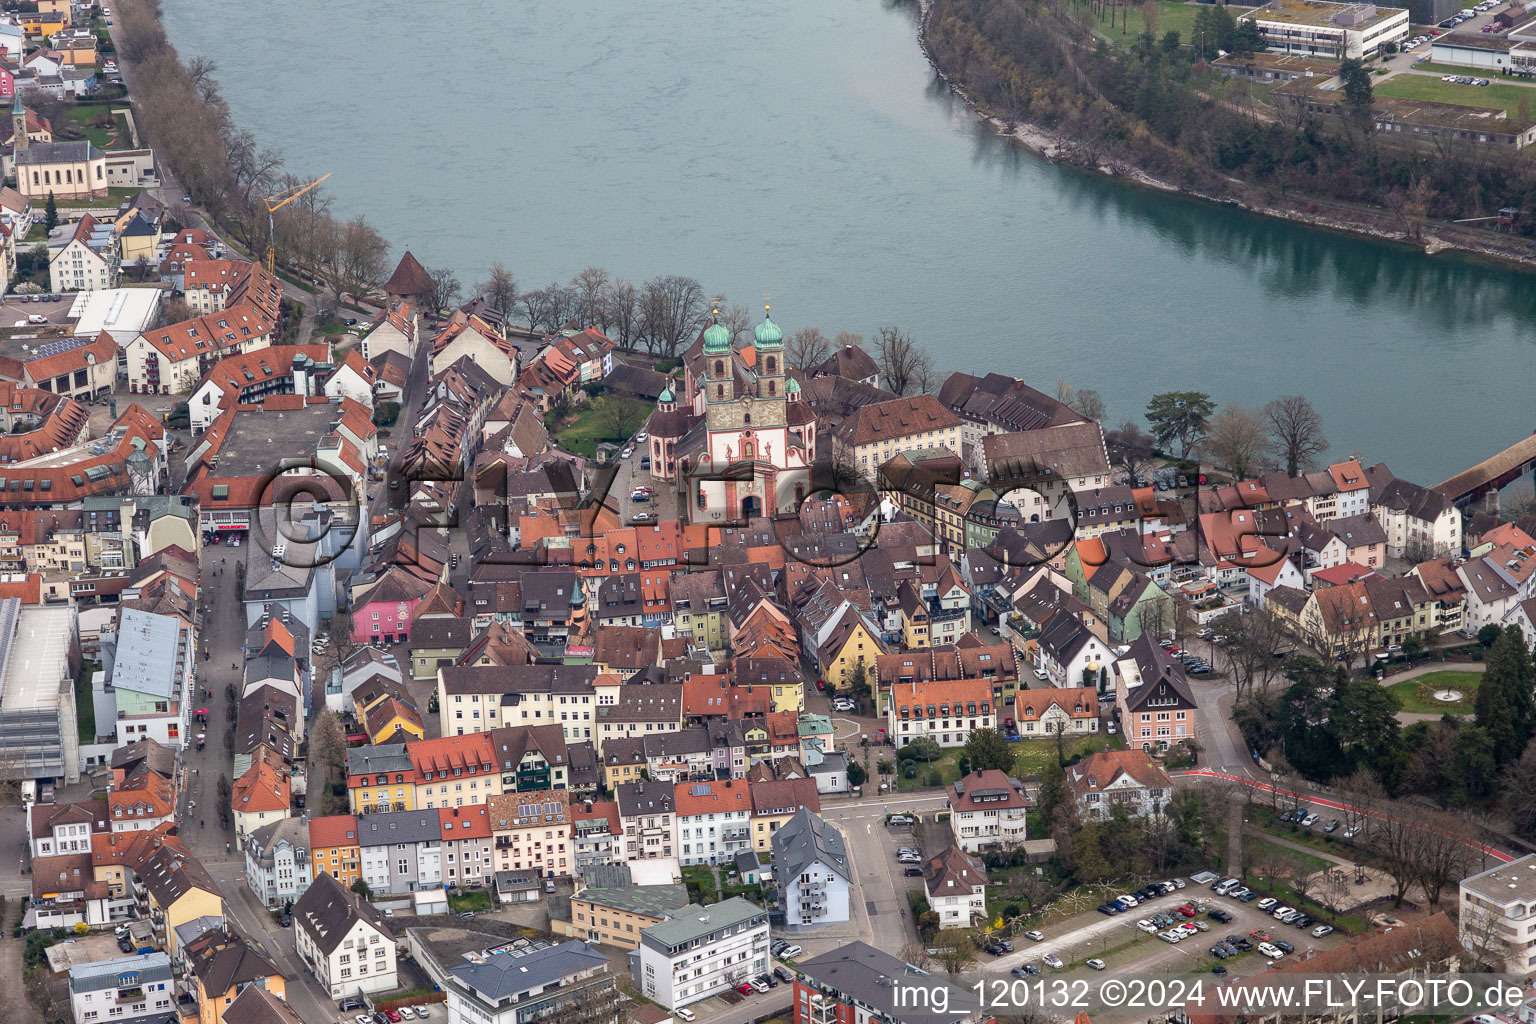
19, 124
768, 344
719, 375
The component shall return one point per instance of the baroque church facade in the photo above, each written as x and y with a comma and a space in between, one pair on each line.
737, 439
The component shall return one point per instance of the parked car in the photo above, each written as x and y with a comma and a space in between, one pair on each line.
789, 952
1034, 936
1332, 826
758, 985
1309, 821
1052, 961
684, 1014
1024, 971
900, 819
784, 974
1200, 926
745, 988
1218, 970
913, 872
1267, 902
1284, 947
995, 949
1321, 930
1108, 909
1096, 963
1147, 926
1219, 915
1129, 901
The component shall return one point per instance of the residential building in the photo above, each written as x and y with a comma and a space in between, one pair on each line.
616, 915
775, 802
859, 984
528, 983
58, 829
1070, 710
344, 940
944, 711
1157, 707
532, 831
597, 835
402, 851
1497, 919
334, 849
646, 810
714, 820
123, 988
957, 888
467, 842
83, 256
877, 432
278, 867
223, 965
177, 887
260, 796
148, 660
701, 951
814, 876
1119, 778
987, 811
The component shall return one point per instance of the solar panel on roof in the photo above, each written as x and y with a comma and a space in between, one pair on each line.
53, 348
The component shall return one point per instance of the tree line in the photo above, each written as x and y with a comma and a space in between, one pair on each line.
1156, 105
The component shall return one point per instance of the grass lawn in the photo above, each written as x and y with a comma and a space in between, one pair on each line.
1172, 16
1033, 756
85, 117
114, 198
1294, 861
1417, 695
590, 426
459, 902
1444, 69
1498, 96
85, 707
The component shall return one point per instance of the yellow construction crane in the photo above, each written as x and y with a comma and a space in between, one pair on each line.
277, 202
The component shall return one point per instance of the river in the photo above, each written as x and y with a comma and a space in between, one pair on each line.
805, 149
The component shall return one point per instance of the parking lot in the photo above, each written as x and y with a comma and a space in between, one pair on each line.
1124, 947
14, 309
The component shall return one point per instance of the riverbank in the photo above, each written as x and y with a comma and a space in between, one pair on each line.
1430, 238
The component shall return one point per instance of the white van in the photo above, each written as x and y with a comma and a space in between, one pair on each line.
1225, 886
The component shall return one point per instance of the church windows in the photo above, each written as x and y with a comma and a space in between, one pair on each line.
747, 418
98, 173
770, 388
719, 367
799, 494
703, 499
719, 390
771, 363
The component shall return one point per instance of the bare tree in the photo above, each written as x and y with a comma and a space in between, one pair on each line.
903, 364
808, 348
1481, 933
446, 289
1235, 439
1089, 403
738, 320
672, 311
1394, 842
500, 290
327, 751
620, 417
355, 256
916, 954
621, 311
1130, 449
1440, 856
846, 338
956, 951
1295, 432
588, 287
